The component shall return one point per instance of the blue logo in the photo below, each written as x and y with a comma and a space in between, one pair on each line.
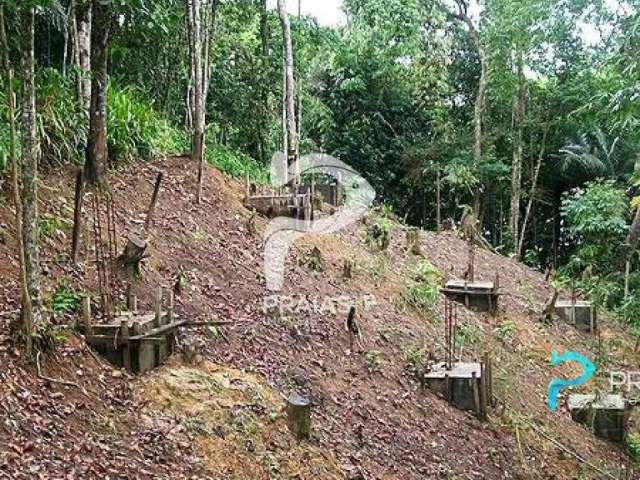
557, 384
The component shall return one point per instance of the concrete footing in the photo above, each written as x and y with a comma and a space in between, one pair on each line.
463, 385
605, 416
578, 313
477, 296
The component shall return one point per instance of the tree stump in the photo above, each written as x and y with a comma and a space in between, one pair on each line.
413, 241
134, 252
299, 416
347, 269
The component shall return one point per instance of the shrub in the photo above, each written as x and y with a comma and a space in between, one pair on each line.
633, 446
234, 163
379, 234
424, 294
135, 130
62, 122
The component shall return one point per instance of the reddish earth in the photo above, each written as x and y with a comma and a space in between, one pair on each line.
371, 418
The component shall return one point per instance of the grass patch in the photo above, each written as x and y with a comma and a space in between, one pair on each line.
236, 164
424, 292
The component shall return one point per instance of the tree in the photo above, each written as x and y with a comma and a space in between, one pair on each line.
82, 49
201, 21
519, 110
289, 90
27, 312
30, 154
481, 98
96, 153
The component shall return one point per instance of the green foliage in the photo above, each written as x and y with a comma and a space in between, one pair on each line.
62, 123
466, 333
424, 293
235, 163
65, 300
597, 212
413, 356
633, 446
373, 361
53, 226
504, 331
135, 131
379, 234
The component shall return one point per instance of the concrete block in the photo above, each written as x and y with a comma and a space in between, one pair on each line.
605, 416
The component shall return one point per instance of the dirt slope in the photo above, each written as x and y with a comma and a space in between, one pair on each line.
220, 416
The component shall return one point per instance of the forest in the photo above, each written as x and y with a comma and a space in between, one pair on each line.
520, 114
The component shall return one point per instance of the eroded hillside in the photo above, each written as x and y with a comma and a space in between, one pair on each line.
219, 415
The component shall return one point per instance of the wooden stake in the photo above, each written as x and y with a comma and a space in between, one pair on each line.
483, 392
77, 216
158, 317
171, 307
86, 315
154, 200
476, 396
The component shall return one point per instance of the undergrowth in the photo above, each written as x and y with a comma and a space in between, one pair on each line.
423, 293
135, 130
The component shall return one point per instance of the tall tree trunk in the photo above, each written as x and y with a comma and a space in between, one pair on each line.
30, 153
201, 20
26, 323
633, 238
290, 108
481, 100
96, 155
516, 168
532, 193
264, 98
84, 37
477, 120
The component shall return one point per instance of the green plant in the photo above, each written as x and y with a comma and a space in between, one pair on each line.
373, 361
196, 426
505, 330
466, 334
65, 301
136, 131
379, 234
423, 295
413, 356
633, 446
235, 163
213, 332
53, 226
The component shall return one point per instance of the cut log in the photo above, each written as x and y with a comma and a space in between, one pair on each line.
134, 252
299, 416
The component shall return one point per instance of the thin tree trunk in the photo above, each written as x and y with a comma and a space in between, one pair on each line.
264, 99
26, 315
201, 22
633, 238
84, 38
30, 152
532, 193
66, 34
438, 200
299, 95
481, 100
96, 154
292, 132
516, 168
